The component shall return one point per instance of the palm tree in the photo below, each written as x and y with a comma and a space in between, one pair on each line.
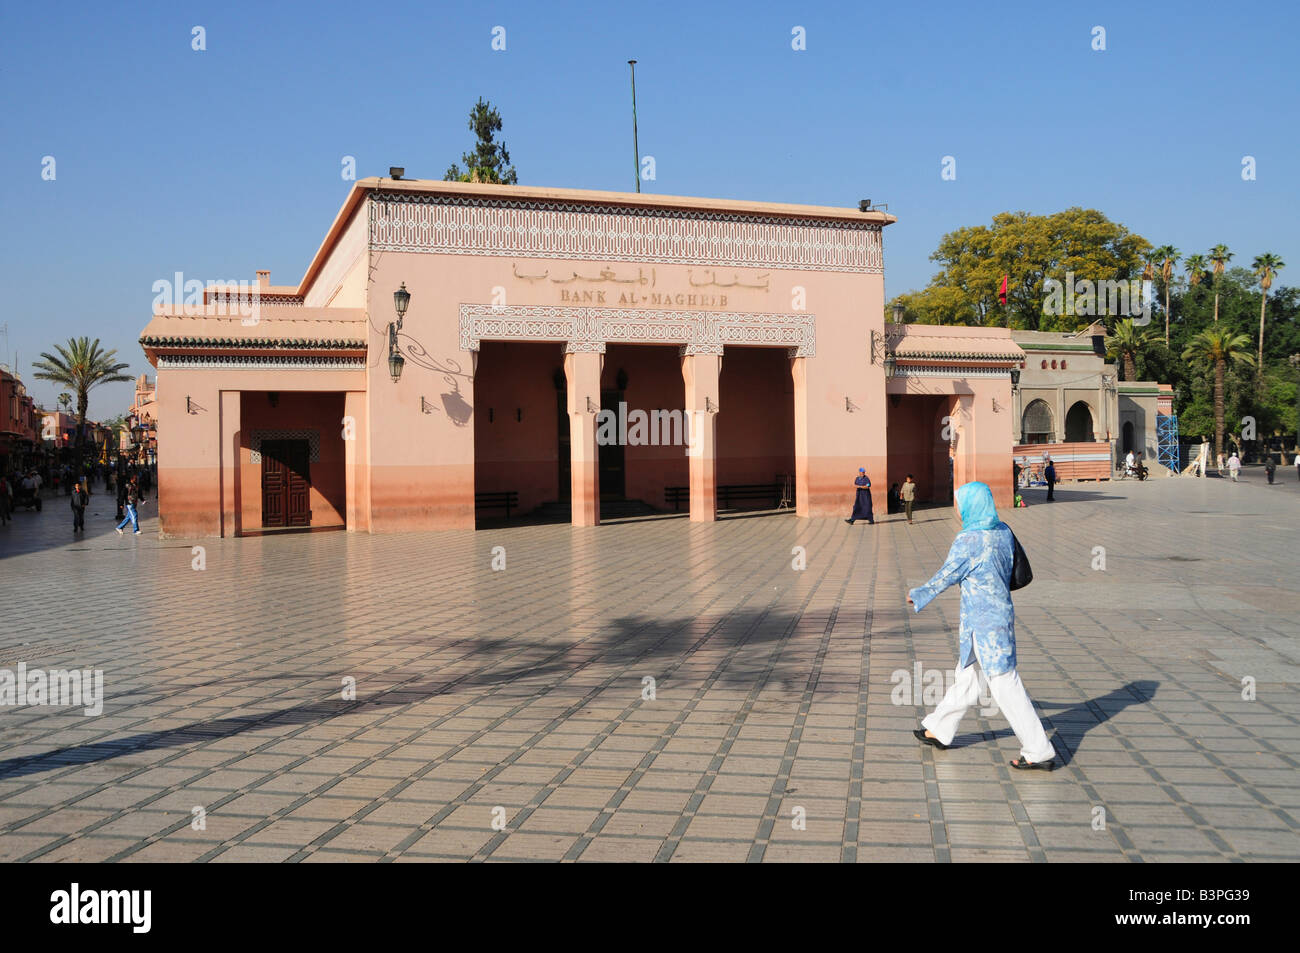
1166, 256
1266, 267
80, 366
1125, 344
65, 401
1219, 257
1195, 266
1219, 348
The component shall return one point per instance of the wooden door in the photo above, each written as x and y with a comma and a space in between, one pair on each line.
286, 484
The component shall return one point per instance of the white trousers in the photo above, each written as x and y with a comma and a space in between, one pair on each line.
1011, 698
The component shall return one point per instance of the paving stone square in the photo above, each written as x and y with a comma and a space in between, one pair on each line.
507, 715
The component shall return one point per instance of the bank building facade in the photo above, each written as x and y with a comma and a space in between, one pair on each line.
461, 352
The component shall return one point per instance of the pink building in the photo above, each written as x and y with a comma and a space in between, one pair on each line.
564, 347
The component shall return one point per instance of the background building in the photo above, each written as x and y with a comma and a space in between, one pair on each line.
1070, 403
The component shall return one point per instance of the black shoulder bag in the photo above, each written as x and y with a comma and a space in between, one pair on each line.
1021, 574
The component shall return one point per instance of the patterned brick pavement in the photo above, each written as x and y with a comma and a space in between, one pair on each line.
772, 734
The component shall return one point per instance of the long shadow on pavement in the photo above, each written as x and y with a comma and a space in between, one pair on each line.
1073, 721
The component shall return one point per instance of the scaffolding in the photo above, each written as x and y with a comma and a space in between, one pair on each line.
1168, 451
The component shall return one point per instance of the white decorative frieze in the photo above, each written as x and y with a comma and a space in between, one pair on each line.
244, 362
949, 370
591, 329
472, 225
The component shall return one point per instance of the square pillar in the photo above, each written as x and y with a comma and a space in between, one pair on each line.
228, 456
700, 373
356, 460
799, 371
582, 369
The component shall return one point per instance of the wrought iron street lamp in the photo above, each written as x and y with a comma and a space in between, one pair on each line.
890, 364
401, 301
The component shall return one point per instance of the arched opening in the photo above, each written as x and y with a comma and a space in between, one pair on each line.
1036, 424
1078, 424
1128, 435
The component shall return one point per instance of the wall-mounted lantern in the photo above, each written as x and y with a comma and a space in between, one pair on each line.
898, 314
891, 365
401, 301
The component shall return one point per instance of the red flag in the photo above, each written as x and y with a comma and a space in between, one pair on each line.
1002, 292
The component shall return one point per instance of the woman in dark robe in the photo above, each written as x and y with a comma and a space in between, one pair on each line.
862, 504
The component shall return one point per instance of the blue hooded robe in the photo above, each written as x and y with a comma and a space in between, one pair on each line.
980, 559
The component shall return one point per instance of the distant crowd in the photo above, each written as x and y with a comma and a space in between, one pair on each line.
28, 488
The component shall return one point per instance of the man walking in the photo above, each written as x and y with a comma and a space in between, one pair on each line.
1234, 466
1050, 475
80, 500
132, 501
862, 499
908, 493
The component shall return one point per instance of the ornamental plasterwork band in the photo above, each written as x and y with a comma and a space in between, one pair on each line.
259, 363
949, 370
459, 225
590, 329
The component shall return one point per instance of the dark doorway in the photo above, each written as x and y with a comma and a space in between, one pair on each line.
1128, 435
1078, 424
286, 484
564, 449
613, 473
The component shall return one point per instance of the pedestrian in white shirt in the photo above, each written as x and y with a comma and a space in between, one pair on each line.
1234, 466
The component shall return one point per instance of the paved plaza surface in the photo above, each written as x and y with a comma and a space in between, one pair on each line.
773, 734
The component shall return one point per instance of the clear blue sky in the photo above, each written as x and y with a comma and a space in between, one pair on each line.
220, 162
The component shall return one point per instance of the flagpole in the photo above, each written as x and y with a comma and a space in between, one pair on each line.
636, 149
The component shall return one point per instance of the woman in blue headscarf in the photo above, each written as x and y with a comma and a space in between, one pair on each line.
980, 560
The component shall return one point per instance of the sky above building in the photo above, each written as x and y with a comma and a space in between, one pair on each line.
220, 161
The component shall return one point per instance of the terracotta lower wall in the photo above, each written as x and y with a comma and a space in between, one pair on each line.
409, 499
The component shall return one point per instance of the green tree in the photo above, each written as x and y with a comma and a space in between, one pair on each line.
1125, 344
1219, 257
1029, 249
65, 401
1195, 267
1166, 256
1218, 349
1266, 267
80, 366
489, 162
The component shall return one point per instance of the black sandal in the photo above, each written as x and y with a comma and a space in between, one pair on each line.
1024, 765
935, 742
